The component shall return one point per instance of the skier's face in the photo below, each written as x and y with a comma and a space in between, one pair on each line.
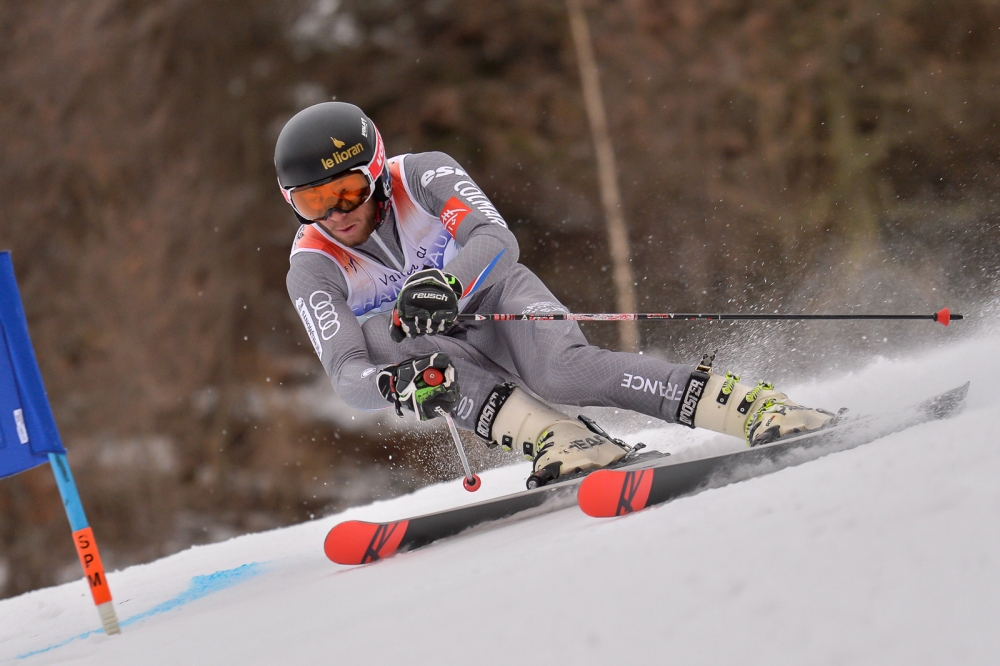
352, 228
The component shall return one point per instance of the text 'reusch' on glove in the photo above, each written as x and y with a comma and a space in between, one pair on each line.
427, 304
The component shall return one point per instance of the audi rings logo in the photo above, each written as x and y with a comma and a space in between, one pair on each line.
326, 315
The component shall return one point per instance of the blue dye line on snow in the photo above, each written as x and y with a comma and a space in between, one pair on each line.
201, 586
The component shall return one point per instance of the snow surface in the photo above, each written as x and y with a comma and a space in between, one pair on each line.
885, 554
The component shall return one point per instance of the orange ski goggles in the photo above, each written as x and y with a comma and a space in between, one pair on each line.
342, 193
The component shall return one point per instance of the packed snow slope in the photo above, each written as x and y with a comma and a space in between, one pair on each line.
885, 554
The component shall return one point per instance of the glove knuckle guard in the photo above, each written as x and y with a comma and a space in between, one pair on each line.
427, 304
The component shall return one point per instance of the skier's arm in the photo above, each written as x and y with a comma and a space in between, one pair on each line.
317, 290
441, 187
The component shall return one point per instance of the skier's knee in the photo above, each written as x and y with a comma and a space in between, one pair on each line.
548, 377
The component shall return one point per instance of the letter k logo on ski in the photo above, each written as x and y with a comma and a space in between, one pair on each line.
453, 214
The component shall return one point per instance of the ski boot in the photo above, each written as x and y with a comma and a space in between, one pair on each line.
757, 414
556, 444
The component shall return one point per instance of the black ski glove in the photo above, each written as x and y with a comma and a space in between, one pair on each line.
427, 304
421, 385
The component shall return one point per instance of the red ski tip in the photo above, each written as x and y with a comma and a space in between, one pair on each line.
943, 316
358, 542
607, 493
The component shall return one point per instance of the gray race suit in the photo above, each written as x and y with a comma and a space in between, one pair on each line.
551, 359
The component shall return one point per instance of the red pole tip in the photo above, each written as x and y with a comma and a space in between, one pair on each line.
473, 484
943, 316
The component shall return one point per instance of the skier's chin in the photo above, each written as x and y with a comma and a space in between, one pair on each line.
354, 231
354, 235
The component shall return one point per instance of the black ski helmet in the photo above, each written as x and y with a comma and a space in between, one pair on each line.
326, 140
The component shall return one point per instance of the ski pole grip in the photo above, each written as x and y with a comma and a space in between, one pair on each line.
433, 377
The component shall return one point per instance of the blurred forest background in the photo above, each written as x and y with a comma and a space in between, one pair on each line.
802, 155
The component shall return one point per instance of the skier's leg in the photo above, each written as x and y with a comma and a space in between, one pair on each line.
555, 361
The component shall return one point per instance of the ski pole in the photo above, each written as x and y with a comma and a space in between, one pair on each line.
471, 482
943, 316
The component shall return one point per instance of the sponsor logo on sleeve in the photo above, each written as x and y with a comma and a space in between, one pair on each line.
427, 176
475, 197
367, 372
307, 321
326, 315
453, 214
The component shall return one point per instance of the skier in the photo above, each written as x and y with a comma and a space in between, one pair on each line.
390, 251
